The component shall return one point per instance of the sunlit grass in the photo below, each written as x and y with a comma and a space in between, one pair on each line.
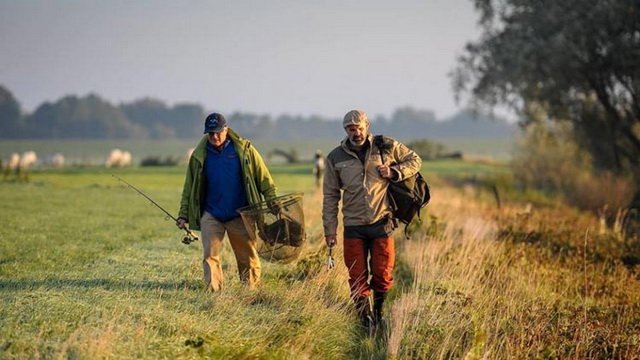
479, 293
89, 269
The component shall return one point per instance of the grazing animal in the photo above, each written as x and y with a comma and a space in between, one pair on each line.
118, 158
14, 161
27, 159
56, 160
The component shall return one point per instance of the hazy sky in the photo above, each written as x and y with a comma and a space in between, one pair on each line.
306, 57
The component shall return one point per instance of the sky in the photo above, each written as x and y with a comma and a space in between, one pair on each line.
304, 57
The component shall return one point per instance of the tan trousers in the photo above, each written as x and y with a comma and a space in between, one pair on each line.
243, 247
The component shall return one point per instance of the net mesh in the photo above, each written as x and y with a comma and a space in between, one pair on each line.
278, 227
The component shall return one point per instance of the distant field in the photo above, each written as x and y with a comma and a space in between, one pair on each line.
463, 168
94, 152
500, 149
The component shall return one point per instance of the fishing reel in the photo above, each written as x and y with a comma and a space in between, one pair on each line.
187, 240
191, 237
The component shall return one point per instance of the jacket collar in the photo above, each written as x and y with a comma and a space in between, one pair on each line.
200, 152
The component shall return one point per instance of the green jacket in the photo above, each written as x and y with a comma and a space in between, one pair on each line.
257, 179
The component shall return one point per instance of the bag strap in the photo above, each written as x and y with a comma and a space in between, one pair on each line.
377, 141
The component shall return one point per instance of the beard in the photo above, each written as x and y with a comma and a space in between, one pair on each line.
357, 140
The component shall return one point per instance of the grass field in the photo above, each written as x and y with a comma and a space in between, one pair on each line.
94, 152
88, 269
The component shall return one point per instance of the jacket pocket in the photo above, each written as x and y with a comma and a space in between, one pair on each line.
350, 172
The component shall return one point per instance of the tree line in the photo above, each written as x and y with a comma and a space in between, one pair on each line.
92, 117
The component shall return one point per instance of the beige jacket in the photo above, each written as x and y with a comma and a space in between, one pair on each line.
364, 191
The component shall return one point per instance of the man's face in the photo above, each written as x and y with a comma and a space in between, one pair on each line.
218, 139
357, 133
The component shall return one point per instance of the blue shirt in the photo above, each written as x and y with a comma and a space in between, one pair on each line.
224, 188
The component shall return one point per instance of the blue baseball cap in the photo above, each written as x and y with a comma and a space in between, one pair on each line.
214, 123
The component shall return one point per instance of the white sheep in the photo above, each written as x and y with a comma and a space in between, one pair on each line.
125, 160
14, 161
113, 158
27, 159
118, 158
56, 160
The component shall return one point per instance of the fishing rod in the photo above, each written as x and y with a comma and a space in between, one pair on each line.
191, 237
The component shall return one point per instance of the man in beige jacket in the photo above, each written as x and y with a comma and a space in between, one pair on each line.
355, 172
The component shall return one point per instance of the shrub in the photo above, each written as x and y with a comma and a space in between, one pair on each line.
427, 149
605, 193
158, 161
549, 158
291, 156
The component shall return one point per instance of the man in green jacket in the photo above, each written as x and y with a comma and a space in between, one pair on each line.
225, 173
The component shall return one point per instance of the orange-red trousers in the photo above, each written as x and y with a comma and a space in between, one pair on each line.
370, 263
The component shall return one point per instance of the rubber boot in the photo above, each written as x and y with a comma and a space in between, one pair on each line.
378, 314
363, 308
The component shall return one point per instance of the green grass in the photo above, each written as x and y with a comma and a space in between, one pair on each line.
89, 269
463, 169
95, 152
488, 148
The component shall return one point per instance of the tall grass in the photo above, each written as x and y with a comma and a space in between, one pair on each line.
480, 292
88, 269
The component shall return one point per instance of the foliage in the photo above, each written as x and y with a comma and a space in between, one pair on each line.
162, 122
10, 115
251, 126
573, 61
87, 117
159, 161
549, 158
427, 149
290, 156
92, 117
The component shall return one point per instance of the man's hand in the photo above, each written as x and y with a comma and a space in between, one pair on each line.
331, 240
275, 207
388, 173
181, 223
385, 171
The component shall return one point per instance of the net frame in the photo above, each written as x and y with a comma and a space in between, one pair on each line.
277, 225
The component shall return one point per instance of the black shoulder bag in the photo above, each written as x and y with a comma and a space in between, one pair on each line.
407, 197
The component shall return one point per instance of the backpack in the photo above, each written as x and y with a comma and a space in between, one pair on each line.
407, 197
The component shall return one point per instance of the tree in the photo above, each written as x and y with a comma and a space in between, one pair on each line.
152, 115
163, 122
251, 126
87, 117
188, 120
11, 125
407, 122
576, 60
